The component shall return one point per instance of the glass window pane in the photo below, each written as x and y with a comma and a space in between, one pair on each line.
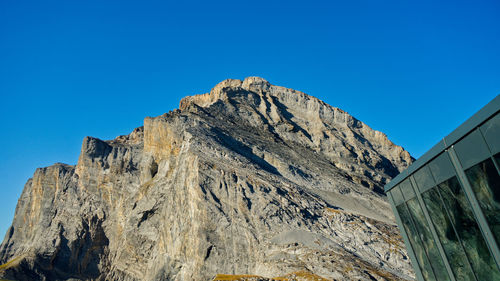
485, 182
462, 218
491, 132
427, 239
396, 195
441, 168
472, 149
447, 235
424, 178
406, 189
416, 244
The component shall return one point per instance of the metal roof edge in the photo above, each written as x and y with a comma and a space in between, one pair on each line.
474, 121
434, 151
470, 124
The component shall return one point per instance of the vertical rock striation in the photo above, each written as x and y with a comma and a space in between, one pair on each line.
249, 179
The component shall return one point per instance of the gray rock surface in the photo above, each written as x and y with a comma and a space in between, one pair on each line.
249, 179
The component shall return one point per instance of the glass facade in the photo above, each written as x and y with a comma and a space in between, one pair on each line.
448, 206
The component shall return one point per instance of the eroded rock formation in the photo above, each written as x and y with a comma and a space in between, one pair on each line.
249, 179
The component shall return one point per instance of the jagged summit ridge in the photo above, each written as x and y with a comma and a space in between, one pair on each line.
314, 107
250, 178
280, 106
260, 85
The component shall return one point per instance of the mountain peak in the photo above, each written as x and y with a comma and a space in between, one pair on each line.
261, 180
249, 83
305, 119
218, 92
255, 83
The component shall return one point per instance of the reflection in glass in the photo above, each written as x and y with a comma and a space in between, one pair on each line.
427, 240
447, 236
462, 218
485, 182
415, 242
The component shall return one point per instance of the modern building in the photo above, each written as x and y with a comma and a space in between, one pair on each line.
447, 203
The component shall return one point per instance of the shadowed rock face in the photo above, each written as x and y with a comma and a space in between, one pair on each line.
250, 178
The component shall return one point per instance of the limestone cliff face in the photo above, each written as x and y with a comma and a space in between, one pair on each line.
250, 178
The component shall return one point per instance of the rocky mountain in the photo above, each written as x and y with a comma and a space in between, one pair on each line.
250, 181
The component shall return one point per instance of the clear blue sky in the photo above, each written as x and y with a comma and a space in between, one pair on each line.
412, 69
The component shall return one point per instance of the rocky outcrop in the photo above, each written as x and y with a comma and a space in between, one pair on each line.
250, 179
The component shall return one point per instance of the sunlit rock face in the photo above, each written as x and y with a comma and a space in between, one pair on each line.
249, 179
